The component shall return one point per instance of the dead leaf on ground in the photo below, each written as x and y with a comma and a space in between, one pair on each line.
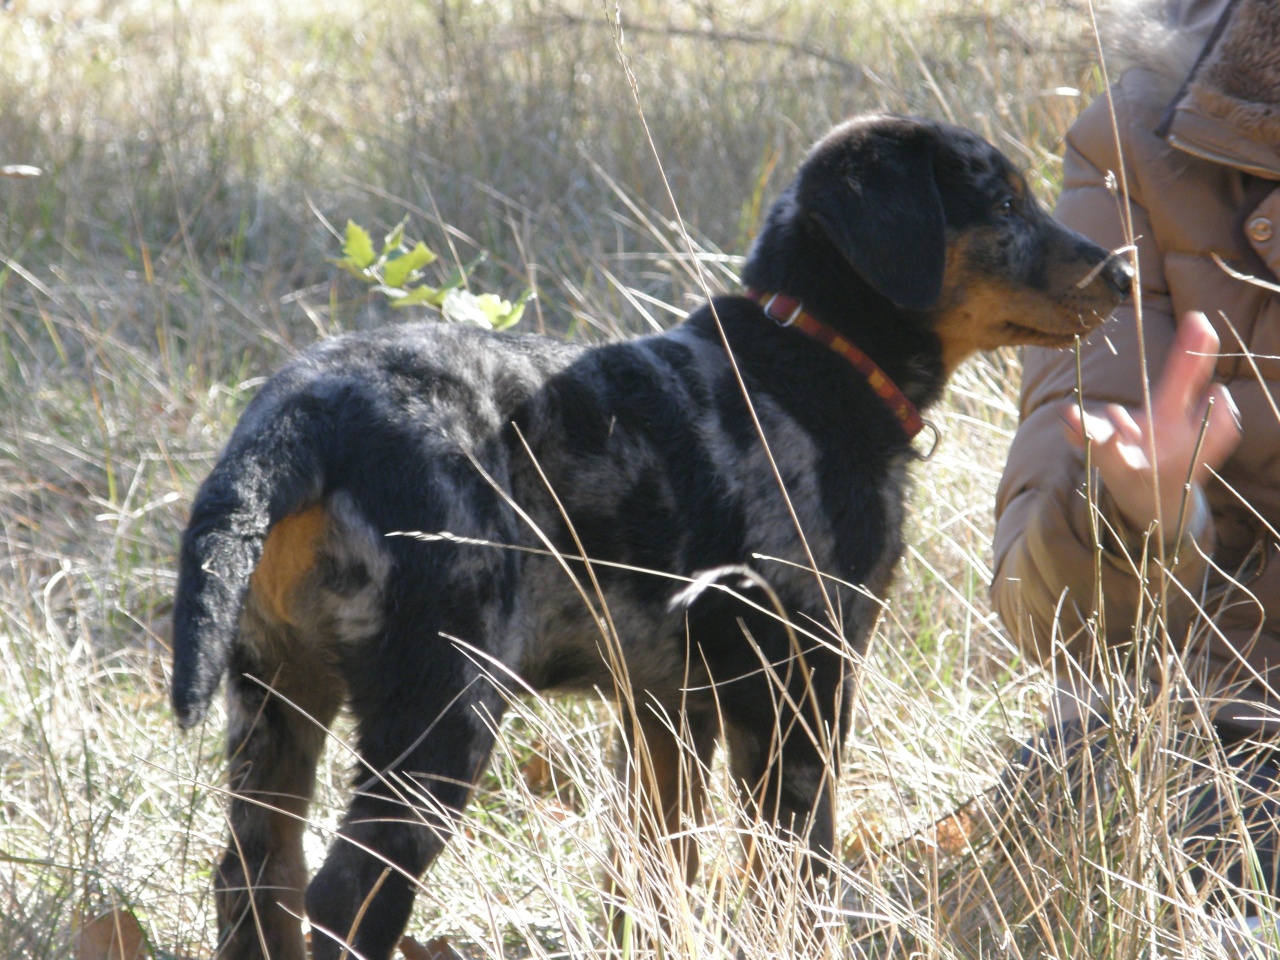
116, 935
536, 771
954, 833
435, 949
864, 840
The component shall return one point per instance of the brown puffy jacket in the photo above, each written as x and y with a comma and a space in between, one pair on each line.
1201, 164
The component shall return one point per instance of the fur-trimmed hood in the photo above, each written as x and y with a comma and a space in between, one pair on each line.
1163, 37
1220, 60
1237, 78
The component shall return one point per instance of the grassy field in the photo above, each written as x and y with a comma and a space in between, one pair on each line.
194, 158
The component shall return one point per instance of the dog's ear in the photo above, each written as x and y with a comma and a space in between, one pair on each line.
886, 217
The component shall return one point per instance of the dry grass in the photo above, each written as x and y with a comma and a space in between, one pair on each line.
173, 251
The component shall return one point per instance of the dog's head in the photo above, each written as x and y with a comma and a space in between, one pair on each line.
938, 222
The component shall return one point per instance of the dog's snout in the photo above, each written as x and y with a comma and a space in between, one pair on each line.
1118, 275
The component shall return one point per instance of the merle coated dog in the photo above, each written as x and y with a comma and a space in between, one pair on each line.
567, 496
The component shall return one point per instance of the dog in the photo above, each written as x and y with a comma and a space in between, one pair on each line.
577, 507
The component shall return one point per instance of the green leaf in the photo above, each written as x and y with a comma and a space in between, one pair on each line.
513, 315
358, 248
348, 265
494, 307
398, 272
459, 275
391, 242
463, 306
429, 296
484, 310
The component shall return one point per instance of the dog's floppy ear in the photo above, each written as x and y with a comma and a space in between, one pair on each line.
884, 213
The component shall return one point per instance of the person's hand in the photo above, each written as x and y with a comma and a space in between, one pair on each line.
1123, 438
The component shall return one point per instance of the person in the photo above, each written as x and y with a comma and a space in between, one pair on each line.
1172, 532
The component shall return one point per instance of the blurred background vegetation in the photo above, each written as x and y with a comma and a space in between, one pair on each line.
196, 163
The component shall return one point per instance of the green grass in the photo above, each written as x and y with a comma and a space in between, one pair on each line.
174, 251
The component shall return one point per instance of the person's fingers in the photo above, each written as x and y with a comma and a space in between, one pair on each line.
1223, 432
1188, 369
1110, 434
1072, 424
1121, 437
1122, 421
1126, 449
1090, 426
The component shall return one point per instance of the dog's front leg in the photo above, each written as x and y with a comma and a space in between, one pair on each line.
785, 762
663, 759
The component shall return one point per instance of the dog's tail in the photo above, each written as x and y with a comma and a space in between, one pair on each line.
272, 467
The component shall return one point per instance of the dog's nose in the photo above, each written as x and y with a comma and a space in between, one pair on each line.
1118, 275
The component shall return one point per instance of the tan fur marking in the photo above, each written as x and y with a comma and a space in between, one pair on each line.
966, 300
981, 312
287, 557
966, 328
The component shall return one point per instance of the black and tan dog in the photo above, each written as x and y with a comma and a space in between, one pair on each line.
901, 247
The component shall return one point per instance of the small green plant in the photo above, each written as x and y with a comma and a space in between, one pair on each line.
396, 272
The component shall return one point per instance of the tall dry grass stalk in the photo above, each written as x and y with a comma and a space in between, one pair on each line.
173, 251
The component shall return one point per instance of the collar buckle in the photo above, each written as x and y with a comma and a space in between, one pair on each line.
926, 455
768, 309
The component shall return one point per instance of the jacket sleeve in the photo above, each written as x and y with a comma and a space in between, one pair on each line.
1057, 553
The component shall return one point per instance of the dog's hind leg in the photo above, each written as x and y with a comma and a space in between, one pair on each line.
317, 590
424, 738
278, 714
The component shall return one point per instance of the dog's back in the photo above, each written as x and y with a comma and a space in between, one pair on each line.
505, 461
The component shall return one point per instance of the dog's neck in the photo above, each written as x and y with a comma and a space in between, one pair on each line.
909, 353
787, 311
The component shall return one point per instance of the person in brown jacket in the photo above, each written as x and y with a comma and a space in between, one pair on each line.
1182, 160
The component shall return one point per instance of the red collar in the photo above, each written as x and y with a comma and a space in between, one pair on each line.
789, 312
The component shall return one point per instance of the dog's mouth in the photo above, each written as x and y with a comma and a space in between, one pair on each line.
1062, 336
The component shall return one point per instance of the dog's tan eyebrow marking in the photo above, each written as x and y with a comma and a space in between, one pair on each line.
287, 556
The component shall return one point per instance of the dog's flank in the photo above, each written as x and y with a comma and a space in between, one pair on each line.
913, 240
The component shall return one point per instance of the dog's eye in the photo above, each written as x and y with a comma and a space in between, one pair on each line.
1005, 208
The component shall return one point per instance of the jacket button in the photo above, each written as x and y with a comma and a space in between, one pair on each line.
1260, 229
